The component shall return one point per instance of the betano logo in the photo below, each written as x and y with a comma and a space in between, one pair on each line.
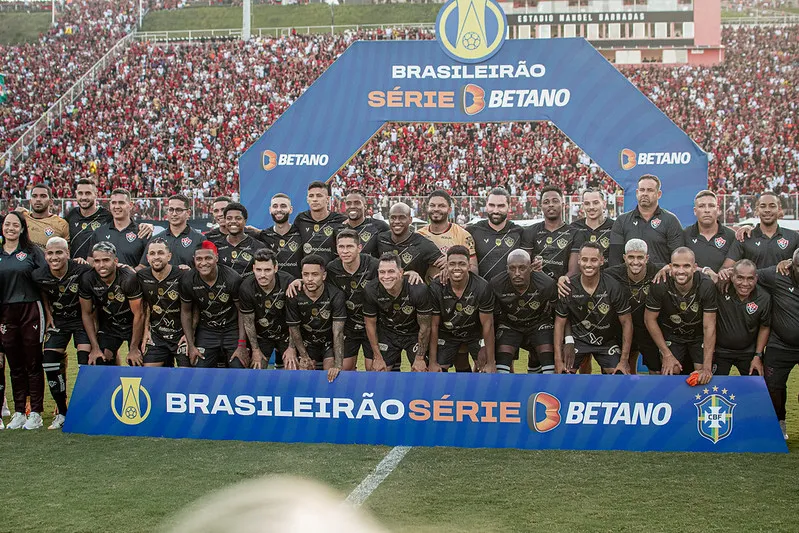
270, 160
130, 411
472, 99
551, 412
628, 159
543, 413
471, 31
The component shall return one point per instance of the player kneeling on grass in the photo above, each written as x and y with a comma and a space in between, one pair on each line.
681, 318
598, 310
524, 305
211, 291
58, 282
111, 296
397, 316
463, 315
262, 301
315, 317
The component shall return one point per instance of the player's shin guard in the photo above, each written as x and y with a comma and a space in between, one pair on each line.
547, 362
504, 362
55, 379
83, 357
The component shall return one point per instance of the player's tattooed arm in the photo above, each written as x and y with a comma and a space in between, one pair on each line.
338, 350
90, 326
248, 320
305, 362
425, 322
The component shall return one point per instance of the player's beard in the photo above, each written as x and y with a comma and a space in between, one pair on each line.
497, 218
277, 220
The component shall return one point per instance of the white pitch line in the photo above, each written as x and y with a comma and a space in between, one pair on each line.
380, 473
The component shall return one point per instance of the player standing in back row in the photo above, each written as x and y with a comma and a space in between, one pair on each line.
318, 226
495, 237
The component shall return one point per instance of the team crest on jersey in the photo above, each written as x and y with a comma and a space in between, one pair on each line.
314, 311
751, 308
307, 248
562, 243
48, 231
185, 242
234, 255
350, 305
282, 243
160, 291
604, 242
458, 307
676, 319
683, 306
498, 242
130, 236
593, 238
590, 306
549, 240
719, 242
535, 304
84, 226
354, 284
94, 225
695, 307
407, 309
521, 303
246, 256
211, 296
21, 256
325, 314
224, 297
509, 241
119, 297
328, 231
396, 307
315, 228
604, 308
655, 223
782, 243
157, 309
293, 246
62, 289
366, 235
279, 304
469, 310
110, 296
268, 304
406, 258
173, 295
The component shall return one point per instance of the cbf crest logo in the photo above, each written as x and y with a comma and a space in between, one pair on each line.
714, 413
471, 31
131, 402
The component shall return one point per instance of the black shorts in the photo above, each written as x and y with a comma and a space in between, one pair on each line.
392, 346
529, 340
111, 343
686, 353
161, 352
448, 349
57, 339
650, 354
319, 353
724, 360
218, 347
267, 346
606, 356
354, 341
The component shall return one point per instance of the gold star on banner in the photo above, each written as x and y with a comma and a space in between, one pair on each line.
724, 391
698, 396
706, 391
732, 396
715, 389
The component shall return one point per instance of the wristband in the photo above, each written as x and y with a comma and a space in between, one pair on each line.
568, 340
242, 343
759, 354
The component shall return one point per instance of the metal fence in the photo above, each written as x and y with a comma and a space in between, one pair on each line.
235, 33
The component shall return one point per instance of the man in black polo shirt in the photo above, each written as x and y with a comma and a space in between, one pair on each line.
709, 239
598, 310
525, 303
416, 252
596, 226
262, 301
218, 339
681, 318
59, 282
659, 228
111, 296
552, 239
181, 238
782, 351
768, 243
236, 249
367, 228
463, 315
315, 318
743, 323
495, 237
397, 318
283, 238
122, 232
160, 282
218, 233
318, 226
350, 273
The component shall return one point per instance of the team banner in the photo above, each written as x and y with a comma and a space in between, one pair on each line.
636, 413
471, 74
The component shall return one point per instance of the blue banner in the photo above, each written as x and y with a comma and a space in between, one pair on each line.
635, 413
471, 74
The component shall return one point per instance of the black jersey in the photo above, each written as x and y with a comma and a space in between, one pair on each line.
638, 293
681, 316
129, 246
218, 238
396, 316
555, 247
784, 292
163, 299
352, 285
764, 251
269, 308
600, 235
62, 293
417, 253
112, 302
460, 316
526, 311
81, 229
217, 302
738, 321
594, 318
368, 230
711, 252
494, 246
288, 248
182, 246
662, 233
319, 237
315, 317
16, 275
239, 257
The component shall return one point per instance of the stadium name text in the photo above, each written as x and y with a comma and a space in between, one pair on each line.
444, 409
467, 72
567, 18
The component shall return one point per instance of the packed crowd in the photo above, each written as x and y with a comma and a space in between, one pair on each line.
168, 118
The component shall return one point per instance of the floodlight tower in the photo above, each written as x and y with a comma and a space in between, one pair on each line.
245, 23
